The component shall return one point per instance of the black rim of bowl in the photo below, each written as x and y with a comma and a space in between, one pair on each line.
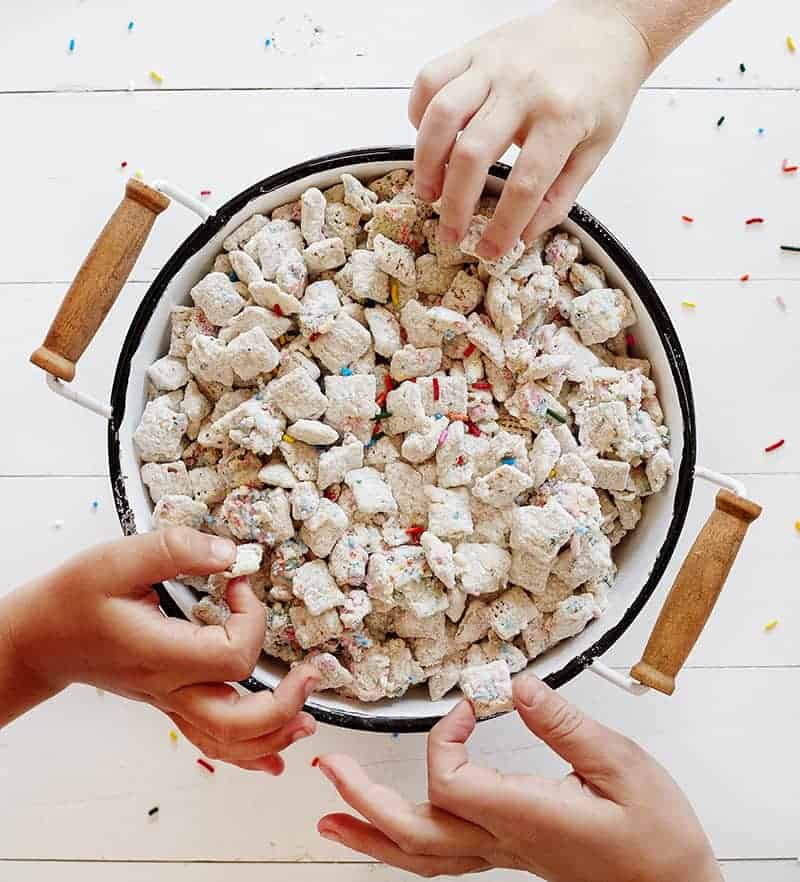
595, 230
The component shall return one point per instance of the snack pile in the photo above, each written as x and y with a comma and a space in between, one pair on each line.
426, 459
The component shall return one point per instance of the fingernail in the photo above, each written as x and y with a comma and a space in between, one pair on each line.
487, 249
310, 685
448, 235
424, 191
222, 550
331, 835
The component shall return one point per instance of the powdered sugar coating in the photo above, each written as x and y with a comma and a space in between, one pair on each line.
426, 459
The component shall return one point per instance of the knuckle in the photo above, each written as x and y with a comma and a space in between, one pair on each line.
443, 111
426, 80
176, 543
468, 152
565, 720
238, 665
523, 187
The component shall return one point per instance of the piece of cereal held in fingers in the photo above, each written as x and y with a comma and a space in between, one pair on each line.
488, 688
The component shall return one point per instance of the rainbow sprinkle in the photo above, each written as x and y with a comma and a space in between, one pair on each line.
72, 45
790, 44
156, 77
771, 624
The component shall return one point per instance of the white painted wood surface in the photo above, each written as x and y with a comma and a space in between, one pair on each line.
79, 774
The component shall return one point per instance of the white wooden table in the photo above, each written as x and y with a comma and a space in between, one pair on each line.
78, 775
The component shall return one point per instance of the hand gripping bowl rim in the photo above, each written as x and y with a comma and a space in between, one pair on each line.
592, 228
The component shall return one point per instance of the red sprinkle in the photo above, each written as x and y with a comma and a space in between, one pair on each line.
415, 533
313, 337
124, 163
774, 446
685, 217
789, 168
629, 340
381, 399
435, 388
315, 762
205, 192
745, 277
277, 310
332, 493
755, 220
206, 765
469, 350
473, 429
460, 461
482, 384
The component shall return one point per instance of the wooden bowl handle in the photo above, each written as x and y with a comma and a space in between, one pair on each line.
696, 589
99, 281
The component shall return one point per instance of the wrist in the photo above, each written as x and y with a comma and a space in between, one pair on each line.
23, 684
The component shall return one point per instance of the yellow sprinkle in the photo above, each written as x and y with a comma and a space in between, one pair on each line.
288, 439
797, 525
173, 736
394, 289
156, 77
770, 625
790, 44
139, 174
552, 474
690, 303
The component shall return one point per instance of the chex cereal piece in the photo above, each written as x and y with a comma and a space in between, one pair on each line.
488, 688
482, 568
313, 584
217, 297
166, 479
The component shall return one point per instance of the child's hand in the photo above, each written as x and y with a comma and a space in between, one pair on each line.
96, 620
617, 816
558, 85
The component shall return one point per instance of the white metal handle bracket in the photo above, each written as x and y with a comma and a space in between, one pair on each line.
66, 390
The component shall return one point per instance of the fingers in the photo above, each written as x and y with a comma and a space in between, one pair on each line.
225, 716
416, 829
543, 155
472, 792
599, 755
182, 652
563, 192
272, 765
141, 560
253, 748
432, 78
445, 116
487, 136
366, 839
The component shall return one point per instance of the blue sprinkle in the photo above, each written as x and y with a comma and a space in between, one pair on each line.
760, 131
395, 736
72, 45
232, 276
508, 460
95, 504
347, 372
268, 42
438, 416
130, 25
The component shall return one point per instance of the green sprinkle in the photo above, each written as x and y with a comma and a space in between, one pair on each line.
556, 416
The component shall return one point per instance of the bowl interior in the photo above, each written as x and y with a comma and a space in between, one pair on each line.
641, 557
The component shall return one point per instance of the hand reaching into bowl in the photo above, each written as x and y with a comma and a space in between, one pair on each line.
559, 86
96, 620
618, 815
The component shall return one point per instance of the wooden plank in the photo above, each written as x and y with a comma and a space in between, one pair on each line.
71, 190
386, 48
113, 761
735, 398
79, 871
759, 588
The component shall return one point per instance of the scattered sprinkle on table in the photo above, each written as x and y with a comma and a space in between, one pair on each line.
685, 217
720, 121
95, 505
72, 45
742, 68
268, 41
139, 174
689, 304
173, 736
153, 811
788, 168
156, 77
131, 85
781, 302
797, 526
775, 446
124, 163
760, 131
130, 25
754, 220
770, 625
790, 44
790, 247
206, 765
205, 193
57, 525
745, 277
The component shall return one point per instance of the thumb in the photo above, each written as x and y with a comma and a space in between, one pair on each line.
598, 754
152, 557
